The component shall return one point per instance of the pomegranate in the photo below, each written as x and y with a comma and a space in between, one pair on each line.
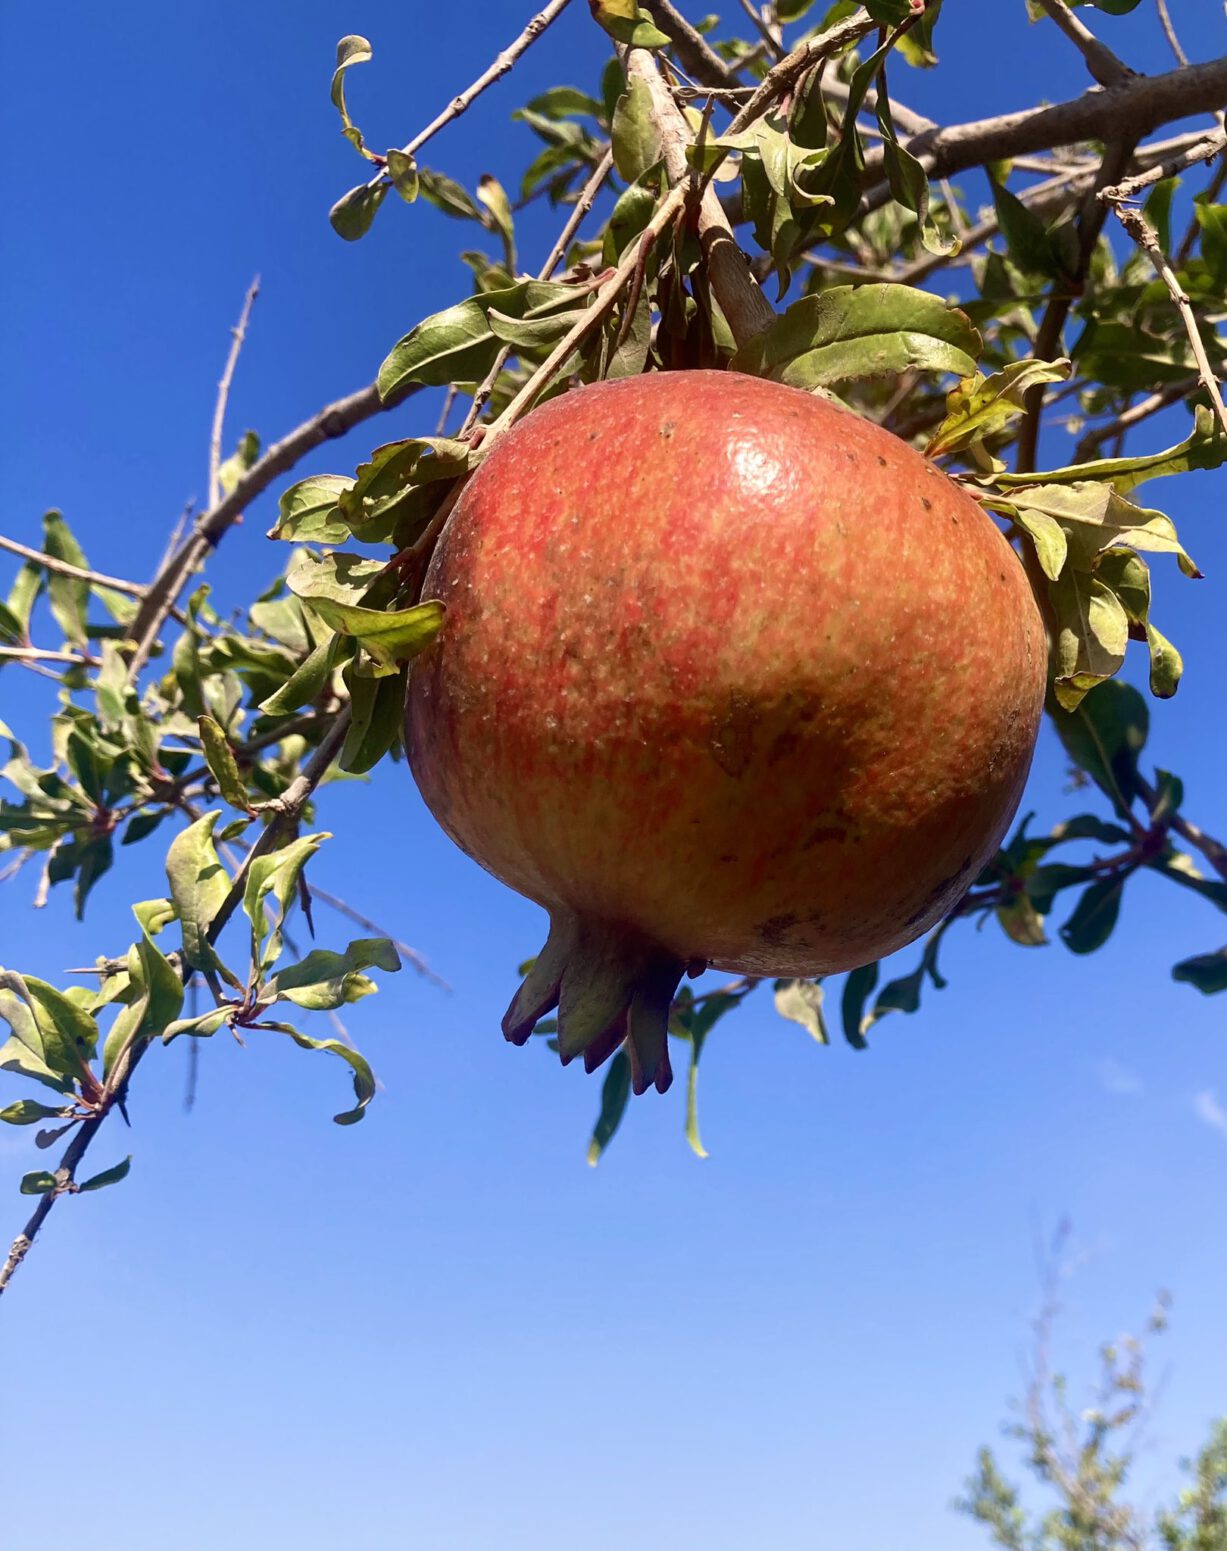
728, 677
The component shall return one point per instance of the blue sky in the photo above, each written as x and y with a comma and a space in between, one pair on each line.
440, 1328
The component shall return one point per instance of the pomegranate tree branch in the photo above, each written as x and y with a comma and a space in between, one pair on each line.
238, 335
1048, 335
746, 310
286, 811
1137, 106
582, 206
495, 72
333, 420
65, 568
783, 77
1144, 234
39, 654
1203, 149
1103, 64
1094, 439
694, 53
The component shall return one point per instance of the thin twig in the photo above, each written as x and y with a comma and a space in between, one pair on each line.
333, 420
238, 334
694, 52
1094, 439
495, 72
582, 206
38, 654
782, 77
1202, 150
1103, 64
1048, 335
1173, 40
64, 568
411, 955
770, 36
1144, 234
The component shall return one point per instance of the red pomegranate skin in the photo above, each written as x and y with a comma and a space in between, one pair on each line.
729, 669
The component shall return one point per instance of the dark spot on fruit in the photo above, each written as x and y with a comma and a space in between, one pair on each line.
783, 746
881, 460
836, 832
732, 738
926, 503
594, 436
773, 929
668, 429
851, 457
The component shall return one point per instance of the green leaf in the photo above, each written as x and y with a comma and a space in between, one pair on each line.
111, 1176
1021, 921
68, 597
307, 681
800, 1001
1035, 248
1092, 634
1097, 518
857, 988
387, 484
457, 344
28, 1112
403, 171
693, 1139
1094, 916
199, 885
332, 584
614, 1095
219, 757
628, 22
982, 406
1104, 737
325, 980
377, 709
351, 50
864, 331
447, 195
201, 1026
1085, 826
1205, 448
308, 511
364, 1078
67, 1037
493, 195
1212, 219
277, 872
1205, 971
38, 1183
239, 461
353, 213
636, 138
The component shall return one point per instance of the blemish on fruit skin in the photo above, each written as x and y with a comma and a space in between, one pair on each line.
926, 503
667, 429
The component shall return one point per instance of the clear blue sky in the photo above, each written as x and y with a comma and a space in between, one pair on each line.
439, 1328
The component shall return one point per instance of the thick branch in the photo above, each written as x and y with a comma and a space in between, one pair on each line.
746, 310
695, 55
1137, 106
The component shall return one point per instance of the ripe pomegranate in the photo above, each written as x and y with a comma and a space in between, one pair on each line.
728, 676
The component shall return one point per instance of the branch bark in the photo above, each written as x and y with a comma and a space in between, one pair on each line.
238, 335
746, 310
332, 421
